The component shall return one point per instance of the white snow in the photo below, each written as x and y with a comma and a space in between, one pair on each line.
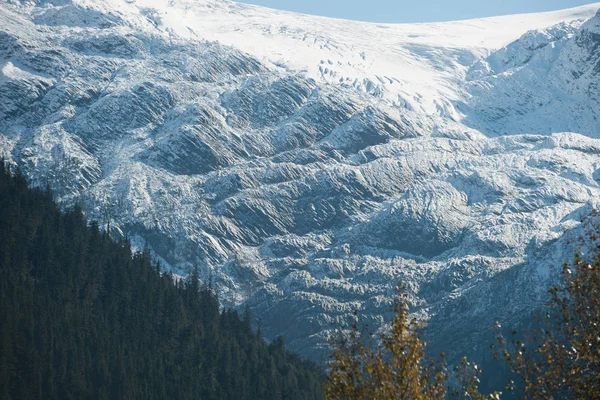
421, 66
316, 162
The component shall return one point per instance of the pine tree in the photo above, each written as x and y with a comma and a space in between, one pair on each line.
83, 317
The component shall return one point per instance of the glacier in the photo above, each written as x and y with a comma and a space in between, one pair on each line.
307, 164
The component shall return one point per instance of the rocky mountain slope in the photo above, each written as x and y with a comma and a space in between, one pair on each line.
307, 164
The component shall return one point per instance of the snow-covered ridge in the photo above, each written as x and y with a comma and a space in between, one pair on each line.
418, 65
307, 164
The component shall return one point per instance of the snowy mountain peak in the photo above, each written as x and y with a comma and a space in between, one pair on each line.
305, 163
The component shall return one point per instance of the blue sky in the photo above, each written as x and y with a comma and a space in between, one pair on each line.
416, 10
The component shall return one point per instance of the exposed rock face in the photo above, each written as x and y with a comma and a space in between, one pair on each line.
308, 195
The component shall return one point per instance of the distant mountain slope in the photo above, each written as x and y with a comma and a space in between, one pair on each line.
547, 81
307, 164
81, 317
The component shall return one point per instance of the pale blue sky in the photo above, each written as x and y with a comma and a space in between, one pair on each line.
416, 10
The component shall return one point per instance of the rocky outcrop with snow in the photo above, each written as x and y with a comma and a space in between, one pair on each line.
309, 164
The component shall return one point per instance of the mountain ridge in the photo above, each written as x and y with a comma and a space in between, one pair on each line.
302, 195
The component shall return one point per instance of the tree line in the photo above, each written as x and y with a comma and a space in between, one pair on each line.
82, 316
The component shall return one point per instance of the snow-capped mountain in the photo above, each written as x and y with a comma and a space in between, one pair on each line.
308, 164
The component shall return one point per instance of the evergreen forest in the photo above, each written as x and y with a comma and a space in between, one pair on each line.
82, 316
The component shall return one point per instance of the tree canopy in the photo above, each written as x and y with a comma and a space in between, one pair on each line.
560, 359
81, 316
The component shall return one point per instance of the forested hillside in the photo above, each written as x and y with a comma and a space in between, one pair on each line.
83, 317
308, 164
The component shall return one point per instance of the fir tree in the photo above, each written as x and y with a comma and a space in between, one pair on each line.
83, 317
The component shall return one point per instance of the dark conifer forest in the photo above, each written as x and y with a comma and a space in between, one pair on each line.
83, 317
